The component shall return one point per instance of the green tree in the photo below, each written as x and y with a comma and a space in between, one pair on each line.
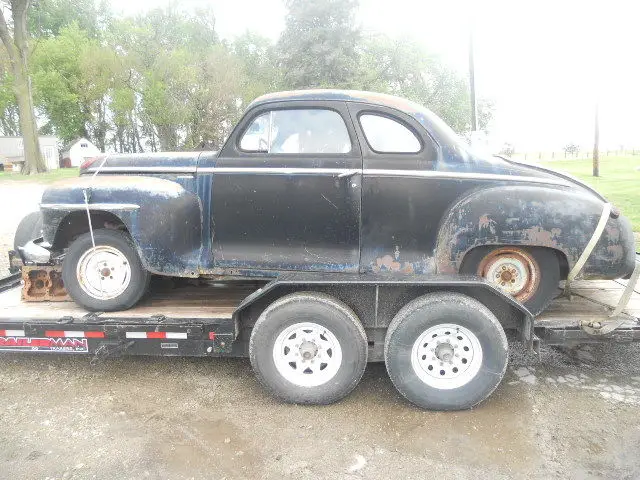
166, 52
9, 115
258, 59
405, 68
47, 18
215, 100
16, 42
319, 45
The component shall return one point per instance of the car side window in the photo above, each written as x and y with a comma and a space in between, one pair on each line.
386, 135
300, 130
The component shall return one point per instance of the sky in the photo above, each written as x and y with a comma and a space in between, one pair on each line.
545, 64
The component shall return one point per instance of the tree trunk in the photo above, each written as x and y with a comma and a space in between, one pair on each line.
18, 50
33, 161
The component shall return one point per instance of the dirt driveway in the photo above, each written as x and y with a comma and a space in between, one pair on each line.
566, 415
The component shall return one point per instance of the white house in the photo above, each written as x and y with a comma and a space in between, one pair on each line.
12, 152
75, 152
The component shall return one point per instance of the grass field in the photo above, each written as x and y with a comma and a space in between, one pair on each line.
619, 181
46, 177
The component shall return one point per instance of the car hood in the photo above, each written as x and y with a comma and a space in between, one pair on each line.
157, 162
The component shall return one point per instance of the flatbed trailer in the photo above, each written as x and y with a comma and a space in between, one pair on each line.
184, 318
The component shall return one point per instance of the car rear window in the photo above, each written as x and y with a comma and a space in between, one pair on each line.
386, 135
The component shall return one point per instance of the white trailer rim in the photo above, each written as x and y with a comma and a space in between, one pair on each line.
103, 272
307, 354
446, 356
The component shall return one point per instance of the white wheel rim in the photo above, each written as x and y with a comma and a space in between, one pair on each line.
515, 271
446, 356
307, 354
103, 272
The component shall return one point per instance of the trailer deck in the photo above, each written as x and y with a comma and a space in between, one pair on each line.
204, 314
188, 301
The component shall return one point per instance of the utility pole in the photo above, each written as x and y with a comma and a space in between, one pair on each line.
596, 145
472, 83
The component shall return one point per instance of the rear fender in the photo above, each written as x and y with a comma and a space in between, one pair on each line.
563, 220
163, 218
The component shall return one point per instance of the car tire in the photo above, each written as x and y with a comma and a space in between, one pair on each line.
308, 348
29, 228
541, 264
471, 358
108, 277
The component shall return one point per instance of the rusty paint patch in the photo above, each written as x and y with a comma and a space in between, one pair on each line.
388, 263
486, 223
542, 237
616, 252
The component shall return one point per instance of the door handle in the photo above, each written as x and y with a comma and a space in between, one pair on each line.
348, 173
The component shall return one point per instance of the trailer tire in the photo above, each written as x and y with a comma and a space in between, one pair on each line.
308, 348
465, 339
121, 266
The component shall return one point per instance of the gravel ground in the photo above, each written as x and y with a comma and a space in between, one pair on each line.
568, 414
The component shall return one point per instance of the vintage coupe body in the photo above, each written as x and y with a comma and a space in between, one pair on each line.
327, 181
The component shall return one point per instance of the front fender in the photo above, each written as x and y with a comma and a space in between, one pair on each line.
532, 216
163, 218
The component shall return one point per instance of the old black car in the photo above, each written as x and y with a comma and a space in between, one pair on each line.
326, 181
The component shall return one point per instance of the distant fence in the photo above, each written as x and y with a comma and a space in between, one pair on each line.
542, 156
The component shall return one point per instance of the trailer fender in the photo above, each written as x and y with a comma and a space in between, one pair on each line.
163, 218
377, 298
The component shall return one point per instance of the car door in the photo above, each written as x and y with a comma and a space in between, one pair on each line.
286, 190
401, 203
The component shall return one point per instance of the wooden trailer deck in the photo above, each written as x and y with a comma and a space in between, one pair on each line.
187, 301
590, 299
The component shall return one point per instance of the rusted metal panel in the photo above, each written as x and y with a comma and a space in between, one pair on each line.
166, 227
560, 219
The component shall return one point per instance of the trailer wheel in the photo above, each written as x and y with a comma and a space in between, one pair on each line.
308, 348
106, 277
445, 351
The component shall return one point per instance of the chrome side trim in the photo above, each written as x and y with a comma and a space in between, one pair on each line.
341, 172
92, 206
463, 175
142, 170
279, 170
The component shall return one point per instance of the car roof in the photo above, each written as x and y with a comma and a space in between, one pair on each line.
439, 130
375, 98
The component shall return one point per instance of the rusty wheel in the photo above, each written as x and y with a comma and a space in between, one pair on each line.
529, 274
513, 270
